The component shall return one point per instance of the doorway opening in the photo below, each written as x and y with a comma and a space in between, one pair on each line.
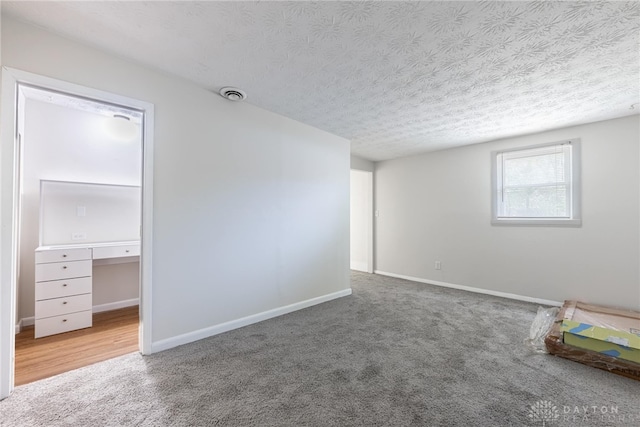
361, 224
79, 274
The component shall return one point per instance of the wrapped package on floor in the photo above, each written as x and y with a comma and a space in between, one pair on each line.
605, 338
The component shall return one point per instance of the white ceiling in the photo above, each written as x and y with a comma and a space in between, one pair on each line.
396, 78
81, 104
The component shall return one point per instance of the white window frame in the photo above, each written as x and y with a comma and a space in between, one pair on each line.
574, 192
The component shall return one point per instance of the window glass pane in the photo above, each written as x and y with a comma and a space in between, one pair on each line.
536, 202
532, 170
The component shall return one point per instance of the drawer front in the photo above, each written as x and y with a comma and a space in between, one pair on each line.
63, 270
65, 323
62, 288
116, 251
64, 305
60, 255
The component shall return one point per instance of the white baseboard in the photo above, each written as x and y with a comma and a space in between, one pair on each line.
116, 305
168, 343
29, 321
472, 289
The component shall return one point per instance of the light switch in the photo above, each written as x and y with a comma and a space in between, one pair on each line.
81, 210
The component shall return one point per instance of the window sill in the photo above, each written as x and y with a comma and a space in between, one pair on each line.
538, 222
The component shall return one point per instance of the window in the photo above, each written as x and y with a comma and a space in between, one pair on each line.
537, 185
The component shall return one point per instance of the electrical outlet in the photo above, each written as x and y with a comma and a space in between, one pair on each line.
78, 236
438, 265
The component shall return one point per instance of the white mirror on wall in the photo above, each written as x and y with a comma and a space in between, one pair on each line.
76, 213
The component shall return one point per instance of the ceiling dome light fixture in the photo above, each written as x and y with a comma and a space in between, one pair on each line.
121, 127
233, 93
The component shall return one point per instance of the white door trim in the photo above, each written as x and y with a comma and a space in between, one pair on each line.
9, 204
369, 224
370, 244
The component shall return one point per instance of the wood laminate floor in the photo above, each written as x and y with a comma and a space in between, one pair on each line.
114, 333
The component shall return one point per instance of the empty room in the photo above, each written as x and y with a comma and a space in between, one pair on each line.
350, 213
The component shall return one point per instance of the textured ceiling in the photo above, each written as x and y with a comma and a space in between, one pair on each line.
396, 78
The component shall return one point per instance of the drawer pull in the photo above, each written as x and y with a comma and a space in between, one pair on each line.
64, 255
127, 251
64, 320
64, 302
64, 267
64, 285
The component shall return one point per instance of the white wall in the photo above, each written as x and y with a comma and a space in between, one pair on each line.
66, 144
362, 164
361, 220
251, 209
73, 212
437, 206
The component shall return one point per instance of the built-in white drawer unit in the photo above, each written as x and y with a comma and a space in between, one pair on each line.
64, 276
116, 251
63, 270
64, 305
63, 288
63, 323
59, 255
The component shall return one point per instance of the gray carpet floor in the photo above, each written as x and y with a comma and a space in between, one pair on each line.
394, 353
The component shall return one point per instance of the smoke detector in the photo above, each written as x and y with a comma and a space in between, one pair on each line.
233, 93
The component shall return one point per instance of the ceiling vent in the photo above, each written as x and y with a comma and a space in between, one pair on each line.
233, 94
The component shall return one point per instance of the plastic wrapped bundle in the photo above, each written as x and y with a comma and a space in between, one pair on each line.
540, 328
565, 324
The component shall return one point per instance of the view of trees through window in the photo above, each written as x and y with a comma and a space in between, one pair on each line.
535, 186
